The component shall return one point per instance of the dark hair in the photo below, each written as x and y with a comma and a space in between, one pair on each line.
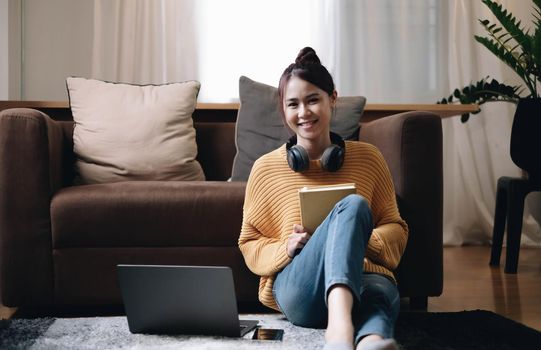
308, 67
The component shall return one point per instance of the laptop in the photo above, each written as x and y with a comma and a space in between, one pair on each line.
163, 299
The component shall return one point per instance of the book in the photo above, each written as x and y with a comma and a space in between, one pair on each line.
317, 202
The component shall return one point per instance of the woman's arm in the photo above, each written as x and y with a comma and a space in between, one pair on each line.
264, 256
265, 253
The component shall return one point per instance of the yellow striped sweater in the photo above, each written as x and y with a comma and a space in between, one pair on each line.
271, 208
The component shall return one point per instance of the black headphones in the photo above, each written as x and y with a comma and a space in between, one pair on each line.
331, 160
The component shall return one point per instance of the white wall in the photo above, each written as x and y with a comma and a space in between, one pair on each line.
4, 50
57, 43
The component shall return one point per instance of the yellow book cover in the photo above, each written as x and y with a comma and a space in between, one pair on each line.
317, 202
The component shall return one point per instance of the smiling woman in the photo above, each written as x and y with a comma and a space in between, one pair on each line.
315, 277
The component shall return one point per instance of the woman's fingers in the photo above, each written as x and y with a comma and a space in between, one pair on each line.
303, 237
298, 228
296, 242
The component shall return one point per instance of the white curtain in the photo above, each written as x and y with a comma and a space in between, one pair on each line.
145, 42
383, 49
410, 51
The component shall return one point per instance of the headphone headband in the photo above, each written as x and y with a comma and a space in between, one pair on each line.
335, 139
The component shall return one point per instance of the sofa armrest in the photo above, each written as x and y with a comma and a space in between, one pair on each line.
30, 172
411, 143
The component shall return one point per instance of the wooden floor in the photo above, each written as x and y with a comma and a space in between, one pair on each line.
470, 284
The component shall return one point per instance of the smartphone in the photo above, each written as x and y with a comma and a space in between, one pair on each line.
268, 334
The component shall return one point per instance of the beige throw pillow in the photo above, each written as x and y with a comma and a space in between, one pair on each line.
131, 132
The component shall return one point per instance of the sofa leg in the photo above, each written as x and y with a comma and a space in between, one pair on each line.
418, 303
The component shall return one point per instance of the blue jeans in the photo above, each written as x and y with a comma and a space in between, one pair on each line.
335, 255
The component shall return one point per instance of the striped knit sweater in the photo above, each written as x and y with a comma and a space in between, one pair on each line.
271, 208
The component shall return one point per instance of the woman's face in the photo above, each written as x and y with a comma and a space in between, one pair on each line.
307, 109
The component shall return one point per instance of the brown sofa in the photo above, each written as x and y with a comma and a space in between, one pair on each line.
60, 243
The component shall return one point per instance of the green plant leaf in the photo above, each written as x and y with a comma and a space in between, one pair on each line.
512, 44
509, 22
536, 51
537, 4
502, 53
482, 92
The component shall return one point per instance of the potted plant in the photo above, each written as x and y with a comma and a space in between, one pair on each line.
520, 49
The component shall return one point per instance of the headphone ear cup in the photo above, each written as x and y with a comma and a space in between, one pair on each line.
332, 158
298, 159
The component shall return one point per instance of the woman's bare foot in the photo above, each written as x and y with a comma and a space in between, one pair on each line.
339, 333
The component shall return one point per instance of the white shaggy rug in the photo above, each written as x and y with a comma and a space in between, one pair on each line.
113, 333
475, 330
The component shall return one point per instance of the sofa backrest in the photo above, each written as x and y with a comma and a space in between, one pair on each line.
216, 149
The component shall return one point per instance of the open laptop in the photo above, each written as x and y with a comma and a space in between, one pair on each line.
161, 299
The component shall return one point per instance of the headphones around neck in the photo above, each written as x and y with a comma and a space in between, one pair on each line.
331, 160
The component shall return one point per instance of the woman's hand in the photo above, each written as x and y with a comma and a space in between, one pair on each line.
297, 240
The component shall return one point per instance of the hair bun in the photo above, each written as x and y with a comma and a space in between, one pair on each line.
307, 56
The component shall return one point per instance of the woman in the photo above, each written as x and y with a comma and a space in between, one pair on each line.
340, 276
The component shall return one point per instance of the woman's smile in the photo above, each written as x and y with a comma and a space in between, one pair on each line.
307, 123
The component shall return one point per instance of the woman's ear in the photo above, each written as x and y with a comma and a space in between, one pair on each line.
333, 97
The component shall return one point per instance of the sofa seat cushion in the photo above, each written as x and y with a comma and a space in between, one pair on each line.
148, 214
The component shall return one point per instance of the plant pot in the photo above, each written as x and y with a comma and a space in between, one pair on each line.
526, 137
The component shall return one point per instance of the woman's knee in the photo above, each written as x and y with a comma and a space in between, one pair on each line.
357, 202
355, 199
358, 207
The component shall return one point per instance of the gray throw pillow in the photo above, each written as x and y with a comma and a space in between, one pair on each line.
260, 129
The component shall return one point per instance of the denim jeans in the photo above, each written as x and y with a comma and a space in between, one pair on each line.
335, 255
